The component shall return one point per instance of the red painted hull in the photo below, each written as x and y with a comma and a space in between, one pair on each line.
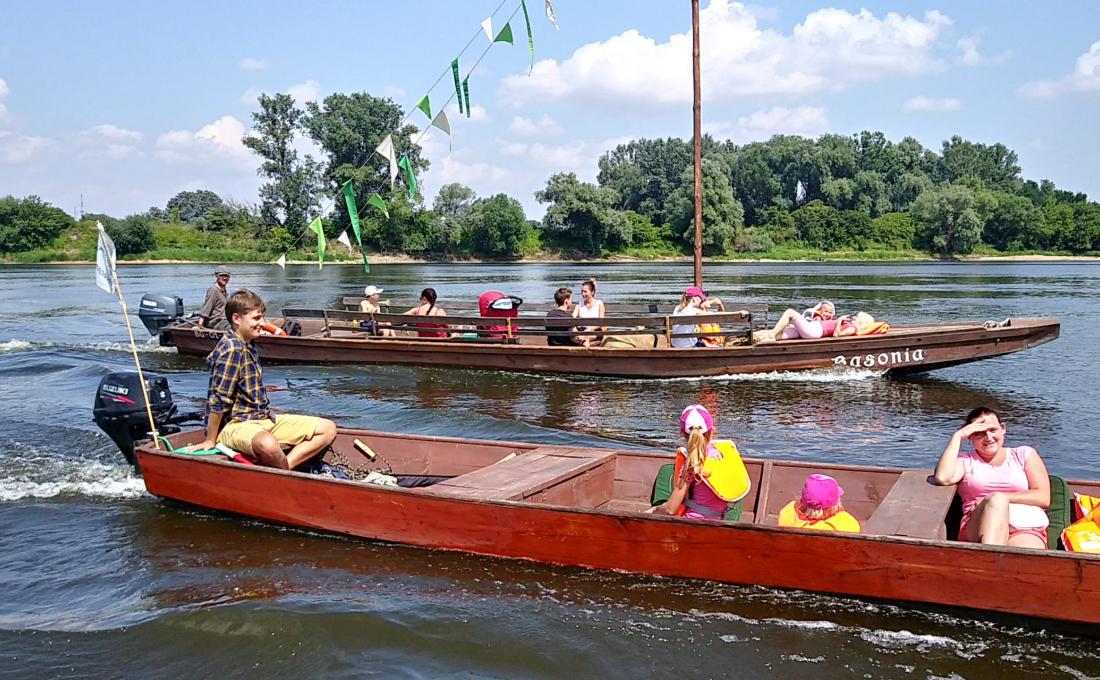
1051, 585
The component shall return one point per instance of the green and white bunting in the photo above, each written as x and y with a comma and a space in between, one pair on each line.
530, 38
440, 121
550, 15
385, 150
425, 105
487, 26
505, 35
466, 94
458, 85
353, 215
377, 202
316, 227
406, 165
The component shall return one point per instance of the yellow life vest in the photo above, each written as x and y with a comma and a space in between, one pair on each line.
727, 477
1084, 534
842, 521
710, 340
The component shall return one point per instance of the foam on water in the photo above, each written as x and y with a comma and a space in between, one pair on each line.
29, 472
151, 345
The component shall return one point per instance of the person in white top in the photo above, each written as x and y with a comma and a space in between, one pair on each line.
589, 308
693, 303
369, 305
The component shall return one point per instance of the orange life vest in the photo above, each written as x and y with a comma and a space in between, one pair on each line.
1084, 534
271, 329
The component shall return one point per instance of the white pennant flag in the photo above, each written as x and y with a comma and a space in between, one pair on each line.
104, 260
343, 238
385, 150
487, 26
440, 121
281, 261
550, 14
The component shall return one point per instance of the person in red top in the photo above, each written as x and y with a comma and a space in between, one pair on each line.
427, 308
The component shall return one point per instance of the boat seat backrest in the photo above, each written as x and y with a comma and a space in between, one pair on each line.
913, 507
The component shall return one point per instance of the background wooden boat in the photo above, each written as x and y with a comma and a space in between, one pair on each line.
905, 349
583, 507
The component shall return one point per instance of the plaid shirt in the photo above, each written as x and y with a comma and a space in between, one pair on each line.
236, 381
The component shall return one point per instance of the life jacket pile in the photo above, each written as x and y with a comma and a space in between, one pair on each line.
1084, 534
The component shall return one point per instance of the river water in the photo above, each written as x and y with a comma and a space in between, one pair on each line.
102, 580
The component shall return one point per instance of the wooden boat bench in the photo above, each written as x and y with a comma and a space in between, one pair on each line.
583, 475
914, 507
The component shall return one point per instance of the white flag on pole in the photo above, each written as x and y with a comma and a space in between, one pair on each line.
343, 238
281, 261
104, 261
550, 14
487, 26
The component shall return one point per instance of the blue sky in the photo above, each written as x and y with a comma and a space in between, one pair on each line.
128, 103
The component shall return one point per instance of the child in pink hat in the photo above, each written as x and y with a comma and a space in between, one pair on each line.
694, 493
819, 507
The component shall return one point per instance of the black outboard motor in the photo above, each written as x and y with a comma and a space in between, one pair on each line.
159, 311
119, 409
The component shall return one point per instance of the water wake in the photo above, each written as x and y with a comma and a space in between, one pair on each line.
30, 472
150, 346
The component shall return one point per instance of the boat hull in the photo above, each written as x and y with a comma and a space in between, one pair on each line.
906, 349
1049, 585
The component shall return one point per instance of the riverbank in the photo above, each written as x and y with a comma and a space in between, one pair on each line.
404, 259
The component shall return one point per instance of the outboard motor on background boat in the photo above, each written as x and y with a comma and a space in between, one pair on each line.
159, 311
119, 409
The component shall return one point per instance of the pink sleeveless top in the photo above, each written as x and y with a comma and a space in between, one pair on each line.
703, 495
981, 479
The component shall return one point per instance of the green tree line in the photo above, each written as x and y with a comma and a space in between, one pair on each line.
834, 193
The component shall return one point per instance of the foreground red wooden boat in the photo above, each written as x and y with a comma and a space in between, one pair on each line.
583, 507
336, 338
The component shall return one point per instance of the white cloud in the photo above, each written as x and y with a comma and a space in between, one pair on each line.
972, 55
924, 104
17, 148
218, 142
393, 92
526, 127
108, 141
478, 114
251, 96
1085, 77
830, 50
304, 92
809, 121
250, 64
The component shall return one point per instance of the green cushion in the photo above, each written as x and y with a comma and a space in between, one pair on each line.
662, 489
1059, 512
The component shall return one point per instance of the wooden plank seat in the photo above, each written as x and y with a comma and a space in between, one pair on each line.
524, 475
913, 507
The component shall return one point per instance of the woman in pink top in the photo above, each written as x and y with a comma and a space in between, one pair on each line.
1004, 491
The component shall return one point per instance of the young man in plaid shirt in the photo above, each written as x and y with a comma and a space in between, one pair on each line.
238, 413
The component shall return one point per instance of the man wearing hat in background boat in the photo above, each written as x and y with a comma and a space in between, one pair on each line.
369, 305
212, 314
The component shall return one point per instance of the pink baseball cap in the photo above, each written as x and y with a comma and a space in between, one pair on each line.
821, 492
695, 291
696, 416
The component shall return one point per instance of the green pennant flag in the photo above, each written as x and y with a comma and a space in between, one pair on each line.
426, 106
353, 212
505, 35
377, 202
406, 165
466, 94
315, 226
458, 86
530, 38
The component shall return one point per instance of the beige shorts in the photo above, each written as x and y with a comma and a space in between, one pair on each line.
289, 429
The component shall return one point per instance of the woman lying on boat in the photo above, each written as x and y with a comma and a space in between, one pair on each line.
816, 322
709, 476
1004, 491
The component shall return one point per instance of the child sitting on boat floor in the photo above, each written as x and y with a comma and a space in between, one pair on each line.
238, 413
818, 507
708, 476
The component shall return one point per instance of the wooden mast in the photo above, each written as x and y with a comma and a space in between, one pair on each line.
697, 143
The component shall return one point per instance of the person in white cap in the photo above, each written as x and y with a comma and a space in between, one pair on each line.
370, 305
212, 313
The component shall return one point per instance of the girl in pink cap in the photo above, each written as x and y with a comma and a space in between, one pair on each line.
709, 475
818, 507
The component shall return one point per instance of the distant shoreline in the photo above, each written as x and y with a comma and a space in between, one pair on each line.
402, 259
